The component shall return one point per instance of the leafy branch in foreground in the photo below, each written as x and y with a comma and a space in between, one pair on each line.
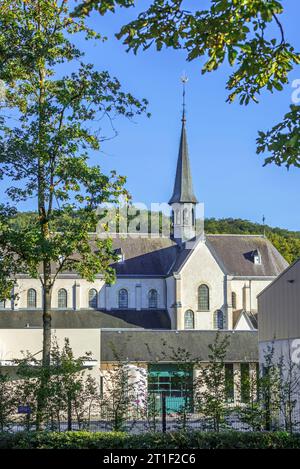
248, 35
51, 123
236, 31
283, 140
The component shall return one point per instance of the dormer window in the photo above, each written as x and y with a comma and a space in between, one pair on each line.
61, 259
257, 257
120, 255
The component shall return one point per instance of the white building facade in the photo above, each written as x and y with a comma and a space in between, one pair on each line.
202, 282
191, 284
279, 335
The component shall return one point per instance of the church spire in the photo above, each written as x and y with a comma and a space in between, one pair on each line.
183, 187
183, 200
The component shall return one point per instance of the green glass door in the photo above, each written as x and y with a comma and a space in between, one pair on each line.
175, 382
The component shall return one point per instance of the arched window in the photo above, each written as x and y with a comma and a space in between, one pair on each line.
2, 304
93, 298
186, 216
123, 298
233, 300
193, 216
219, 320
152, 298
189, 322
203, 298
62, 299
31, 298
178, 217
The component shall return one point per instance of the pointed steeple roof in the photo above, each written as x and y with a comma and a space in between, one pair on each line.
183, 187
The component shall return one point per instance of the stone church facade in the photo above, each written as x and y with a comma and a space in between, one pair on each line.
185, 284
182, 282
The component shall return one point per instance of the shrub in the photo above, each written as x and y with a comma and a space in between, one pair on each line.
176, 440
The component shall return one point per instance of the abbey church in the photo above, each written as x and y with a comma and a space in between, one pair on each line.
178, 290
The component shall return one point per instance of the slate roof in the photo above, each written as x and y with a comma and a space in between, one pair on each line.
145, 256
152, 346
236, 254
87, 319
160, 256
183, 186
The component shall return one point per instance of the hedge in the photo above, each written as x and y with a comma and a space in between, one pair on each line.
176, 440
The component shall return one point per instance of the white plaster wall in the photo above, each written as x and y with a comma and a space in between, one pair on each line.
130, 285
170, 293
256, 286
289, 351
24, 284
200, 268
83, 287
21, 289
286, 348
14, 341
243, 324
237, 288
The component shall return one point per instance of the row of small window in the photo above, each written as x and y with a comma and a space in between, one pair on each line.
123, 299
204, 298
219, 319
62, 299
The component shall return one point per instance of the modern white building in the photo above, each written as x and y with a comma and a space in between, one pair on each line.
279, 316
279, 332
279, 309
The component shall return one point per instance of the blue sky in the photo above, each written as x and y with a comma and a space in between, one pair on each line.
228, 175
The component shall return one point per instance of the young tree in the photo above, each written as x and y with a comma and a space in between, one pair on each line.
248, 34
271, 395
269, 390
69, 393
72, 388
211, 385
32, 388
123, 393
250, 409
48, 127
289, 386
7, 401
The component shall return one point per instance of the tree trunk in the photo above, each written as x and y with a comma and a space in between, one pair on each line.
267, 412
45, 372
47, 291
69, 413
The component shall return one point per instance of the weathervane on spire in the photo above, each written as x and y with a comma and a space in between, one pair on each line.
184, 80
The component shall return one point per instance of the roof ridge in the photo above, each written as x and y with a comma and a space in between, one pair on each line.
238, 234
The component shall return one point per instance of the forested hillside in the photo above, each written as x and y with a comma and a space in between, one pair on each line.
287, 242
